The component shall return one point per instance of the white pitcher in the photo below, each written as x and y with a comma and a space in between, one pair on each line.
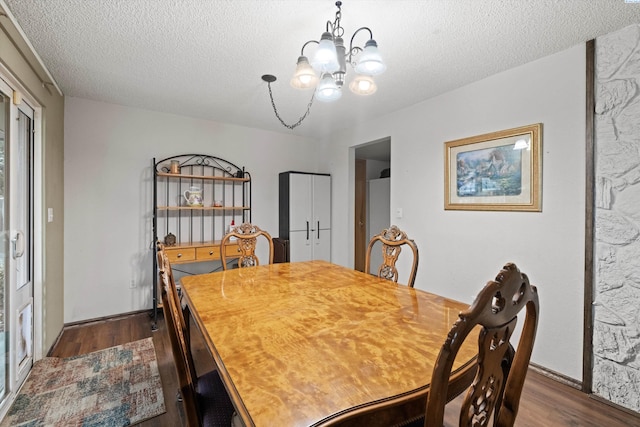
193, 196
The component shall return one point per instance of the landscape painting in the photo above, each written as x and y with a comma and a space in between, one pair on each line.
489, 172
496, 171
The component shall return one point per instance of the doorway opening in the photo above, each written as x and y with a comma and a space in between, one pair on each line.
372, 194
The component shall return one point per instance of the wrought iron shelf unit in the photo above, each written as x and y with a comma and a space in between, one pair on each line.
224, 196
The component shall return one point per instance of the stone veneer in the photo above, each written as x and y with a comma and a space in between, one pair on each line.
616, 331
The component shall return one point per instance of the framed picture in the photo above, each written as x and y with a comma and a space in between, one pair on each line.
499, 171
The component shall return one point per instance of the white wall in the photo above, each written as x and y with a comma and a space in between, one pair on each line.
108, 193
460, 251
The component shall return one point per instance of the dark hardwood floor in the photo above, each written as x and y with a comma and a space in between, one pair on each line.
545, 402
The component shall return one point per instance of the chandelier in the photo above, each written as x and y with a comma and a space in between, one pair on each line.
327, 69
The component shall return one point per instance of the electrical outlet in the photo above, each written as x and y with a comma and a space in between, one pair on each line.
132, 283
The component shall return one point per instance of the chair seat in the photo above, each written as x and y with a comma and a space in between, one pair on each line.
213, 401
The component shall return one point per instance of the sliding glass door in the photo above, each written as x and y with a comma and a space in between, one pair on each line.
16, 239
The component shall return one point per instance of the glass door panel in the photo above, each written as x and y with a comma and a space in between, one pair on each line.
16, 247
21, 232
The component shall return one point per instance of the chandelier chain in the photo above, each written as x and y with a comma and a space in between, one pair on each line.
275, 110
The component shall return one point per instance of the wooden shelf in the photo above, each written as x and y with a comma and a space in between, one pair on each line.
213, 178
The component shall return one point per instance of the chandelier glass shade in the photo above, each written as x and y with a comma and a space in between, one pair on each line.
304, 77
363, 85
326, 57
370, 62
327, 69
327, 89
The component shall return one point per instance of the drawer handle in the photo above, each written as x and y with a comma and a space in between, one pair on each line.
210, 252
179, 255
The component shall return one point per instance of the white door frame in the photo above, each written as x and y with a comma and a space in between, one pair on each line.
38, 236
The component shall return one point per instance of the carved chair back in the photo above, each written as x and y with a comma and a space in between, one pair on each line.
496, 389
392, 240
179, 337
205, 399
246, 235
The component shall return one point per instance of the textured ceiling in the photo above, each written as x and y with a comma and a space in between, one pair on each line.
204, 58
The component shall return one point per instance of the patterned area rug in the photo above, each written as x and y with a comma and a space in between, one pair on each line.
118, 386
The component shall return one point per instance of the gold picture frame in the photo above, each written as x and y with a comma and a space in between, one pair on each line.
498, 171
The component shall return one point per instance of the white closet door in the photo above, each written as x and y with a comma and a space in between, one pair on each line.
321, 202
300, 247
300, 195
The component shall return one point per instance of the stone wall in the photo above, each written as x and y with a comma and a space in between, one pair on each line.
616, 334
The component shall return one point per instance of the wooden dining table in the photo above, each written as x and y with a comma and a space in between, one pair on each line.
318, 344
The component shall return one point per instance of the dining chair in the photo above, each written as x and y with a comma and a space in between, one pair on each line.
494, 394
246, 235
205, 399
392, 240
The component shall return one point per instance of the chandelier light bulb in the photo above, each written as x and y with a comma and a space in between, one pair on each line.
327, 90
370, 62
326, 57
363, 85
304, 76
